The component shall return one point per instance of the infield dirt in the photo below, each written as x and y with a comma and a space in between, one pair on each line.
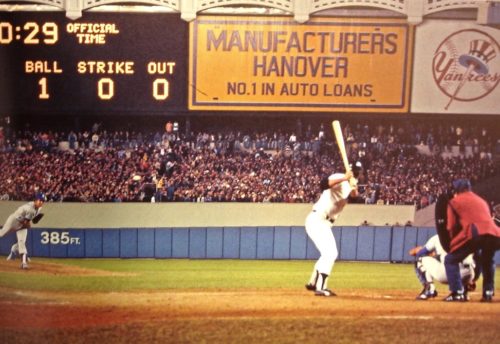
237, 316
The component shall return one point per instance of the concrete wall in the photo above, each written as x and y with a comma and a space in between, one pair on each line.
425, 217
157, 215
214, 230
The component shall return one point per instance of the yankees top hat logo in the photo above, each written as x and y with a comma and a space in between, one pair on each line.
480, 53
466, 66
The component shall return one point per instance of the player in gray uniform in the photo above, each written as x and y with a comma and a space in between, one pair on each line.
336, 189
20, 222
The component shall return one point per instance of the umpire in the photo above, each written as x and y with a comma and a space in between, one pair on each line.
471, 228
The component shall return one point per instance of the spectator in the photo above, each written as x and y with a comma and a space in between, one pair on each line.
233, 167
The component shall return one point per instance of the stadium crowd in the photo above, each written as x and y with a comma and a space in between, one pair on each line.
98, 165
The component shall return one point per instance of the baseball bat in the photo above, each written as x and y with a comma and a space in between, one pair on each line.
337, 130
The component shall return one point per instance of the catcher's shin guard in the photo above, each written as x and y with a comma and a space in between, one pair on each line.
420, 271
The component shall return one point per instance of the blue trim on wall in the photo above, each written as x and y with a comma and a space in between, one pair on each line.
163, 243
282, 242
397, 244
298, 243
265, 242
57, 249
110, 238
198, 243
368, 243
180, 243
146, 243
248, 243
348, 243
129, 243
215, 242
231, 243
93, 243
365, 243
382, 243
41, 248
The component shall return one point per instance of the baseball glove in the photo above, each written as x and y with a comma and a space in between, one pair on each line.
471, 286
414, 251
37, 218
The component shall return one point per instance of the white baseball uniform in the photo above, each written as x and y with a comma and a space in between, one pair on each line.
433, 268
319, 222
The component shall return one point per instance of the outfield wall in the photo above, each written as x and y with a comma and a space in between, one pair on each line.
213, 231
383, 243
289, 242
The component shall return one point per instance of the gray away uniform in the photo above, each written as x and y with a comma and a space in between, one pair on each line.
19, 222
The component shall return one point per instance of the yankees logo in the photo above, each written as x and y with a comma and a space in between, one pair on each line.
466, 65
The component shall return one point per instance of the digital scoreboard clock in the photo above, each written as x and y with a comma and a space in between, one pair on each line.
102, 63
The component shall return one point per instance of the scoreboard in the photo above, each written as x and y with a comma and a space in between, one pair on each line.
119, 63
103, 63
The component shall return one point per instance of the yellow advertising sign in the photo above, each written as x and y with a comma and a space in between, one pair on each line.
277, 64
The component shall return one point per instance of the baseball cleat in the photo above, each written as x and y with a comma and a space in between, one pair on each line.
487, 296
24, 266
426, 295
310, 287
11, 256
324, 292
455, 297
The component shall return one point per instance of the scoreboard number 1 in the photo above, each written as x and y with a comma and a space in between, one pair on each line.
43, 89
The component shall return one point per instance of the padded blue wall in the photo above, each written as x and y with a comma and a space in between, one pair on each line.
354, 243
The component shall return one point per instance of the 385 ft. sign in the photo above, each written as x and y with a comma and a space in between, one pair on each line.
58, 238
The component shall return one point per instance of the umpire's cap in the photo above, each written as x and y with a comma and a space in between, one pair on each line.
461, 185
40, 196
356, 168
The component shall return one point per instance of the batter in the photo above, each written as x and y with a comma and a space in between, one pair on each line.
336, 190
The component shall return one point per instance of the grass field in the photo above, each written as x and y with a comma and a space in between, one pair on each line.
152, 274
229, 301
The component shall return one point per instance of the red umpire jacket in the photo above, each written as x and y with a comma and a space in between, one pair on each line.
466, 213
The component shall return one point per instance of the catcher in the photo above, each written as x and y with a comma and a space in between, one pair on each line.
429, 267
19, 222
